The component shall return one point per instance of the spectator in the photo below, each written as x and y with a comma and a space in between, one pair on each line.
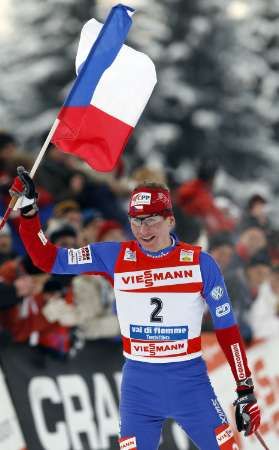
25, 319
93, 316
243, 287
8, 292
68, 211
54, 168
64, 236
8, 144
196, 198
264, 314
54, 337
257, 210
92, 220
221, 247
144, 173
251, 240
273, 246
19, 318
88, 193
228, 207
189, 228
8, 147
92, 311
110, 230
6, 244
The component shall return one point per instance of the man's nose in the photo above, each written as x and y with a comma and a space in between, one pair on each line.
143, 225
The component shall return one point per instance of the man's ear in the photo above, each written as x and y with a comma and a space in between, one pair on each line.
171, 221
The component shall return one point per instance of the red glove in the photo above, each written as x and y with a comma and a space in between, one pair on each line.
23, 184
17, 188
23, 187
247, 412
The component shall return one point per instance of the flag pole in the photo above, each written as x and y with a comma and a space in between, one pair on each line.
44, 148
36, 164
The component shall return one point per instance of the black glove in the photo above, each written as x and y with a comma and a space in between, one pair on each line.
23, 187
247, 412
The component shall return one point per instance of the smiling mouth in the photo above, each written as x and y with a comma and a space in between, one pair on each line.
148, 239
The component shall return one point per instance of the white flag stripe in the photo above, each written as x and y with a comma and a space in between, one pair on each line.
132, 77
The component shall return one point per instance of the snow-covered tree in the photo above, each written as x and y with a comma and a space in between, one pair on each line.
217, 94
217, 64
37, 63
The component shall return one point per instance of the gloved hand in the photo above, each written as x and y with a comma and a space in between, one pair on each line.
23, 187
247, 412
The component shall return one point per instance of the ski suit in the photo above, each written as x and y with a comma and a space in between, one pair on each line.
160, 300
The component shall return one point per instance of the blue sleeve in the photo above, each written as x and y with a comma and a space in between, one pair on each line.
215, 293
98, 258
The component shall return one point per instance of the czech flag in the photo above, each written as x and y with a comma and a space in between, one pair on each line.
112, 88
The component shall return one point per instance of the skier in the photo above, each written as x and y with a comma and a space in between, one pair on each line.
160, 286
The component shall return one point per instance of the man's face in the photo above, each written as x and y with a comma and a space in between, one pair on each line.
152, 231
91, 230
223, 255
5, 243
254, 239
115, 235
67, 242
257, 275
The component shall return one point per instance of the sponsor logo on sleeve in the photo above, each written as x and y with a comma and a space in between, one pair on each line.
186, 255
130, 255
222, 310
141, 198
217, 293
79, 255
128, 443
42, 237
238, 361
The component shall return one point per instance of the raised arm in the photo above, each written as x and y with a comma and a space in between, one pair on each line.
97, 258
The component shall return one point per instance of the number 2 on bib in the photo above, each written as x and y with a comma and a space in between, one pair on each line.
154, 316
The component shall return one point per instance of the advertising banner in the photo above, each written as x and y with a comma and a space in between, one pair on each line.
11, 437
72, 404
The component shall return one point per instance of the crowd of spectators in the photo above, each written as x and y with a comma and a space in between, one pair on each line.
57, 314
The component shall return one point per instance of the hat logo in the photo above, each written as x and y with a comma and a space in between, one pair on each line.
141, 198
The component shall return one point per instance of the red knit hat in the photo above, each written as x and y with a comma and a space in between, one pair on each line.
106, 226
149, 200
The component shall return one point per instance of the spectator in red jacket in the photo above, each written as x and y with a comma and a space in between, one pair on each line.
25, 320
196, 198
